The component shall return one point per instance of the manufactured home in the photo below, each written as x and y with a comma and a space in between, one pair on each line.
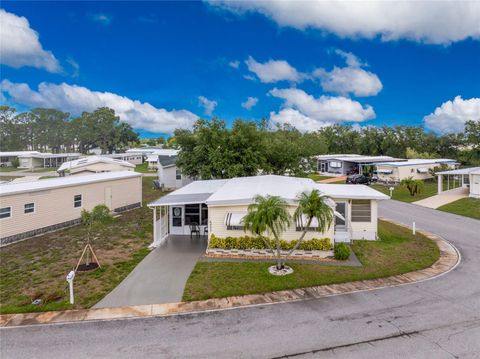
466, 177
32, 208
45, 160
135, 158
6, 158
169, 175
421, 169
94, 164
218, 206
346, 164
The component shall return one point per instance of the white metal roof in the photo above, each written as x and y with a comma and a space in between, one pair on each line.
90, 160
461, 171
49, 155
16, 153
46, 184
242, 190
417, 161
358, 158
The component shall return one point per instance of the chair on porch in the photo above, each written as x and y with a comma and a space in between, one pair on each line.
194, 228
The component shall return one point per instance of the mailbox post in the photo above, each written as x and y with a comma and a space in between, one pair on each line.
70, 277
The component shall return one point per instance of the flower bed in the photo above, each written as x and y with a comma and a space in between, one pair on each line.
258, 243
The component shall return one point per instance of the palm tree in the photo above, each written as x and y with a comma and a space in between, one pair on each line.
268, 215
313, 205
413, 186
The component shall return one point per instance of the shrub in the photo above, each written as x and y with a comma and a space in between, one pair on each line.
246, 242
341, 251
15, 162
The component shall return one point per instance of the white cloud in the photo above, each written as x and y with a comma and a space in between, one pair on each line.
274, 70
208, 105
351, 79
294, 118
234, 64
434, 22
20, 45
324, 108
451, 116
75, 67
100, 18
76, 99
250, 103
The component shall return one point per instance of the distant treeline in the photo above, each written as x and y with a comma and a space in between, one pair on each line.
211, 150
55, 131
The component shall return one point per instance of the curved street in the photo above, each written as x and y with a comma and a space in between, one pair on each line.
439, 318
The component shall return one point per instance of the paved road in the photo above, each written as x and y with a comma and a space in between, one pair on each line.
434, 319
161, 276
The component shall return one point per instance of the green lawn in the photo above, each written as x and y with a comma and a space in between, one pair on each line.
401, 194
143, 168
36, 268
397, 252
8, 169
316, 177
468, 207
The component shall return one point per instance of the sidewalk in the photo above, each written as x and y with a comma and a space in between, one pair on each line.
443, 198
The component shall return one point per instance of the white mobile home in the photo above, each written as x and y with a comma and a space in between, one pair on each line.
6, 158
169, 175
416, 168
342, 165
218, 206
467, 177
31, 208
94, 164
46, 160
135, 158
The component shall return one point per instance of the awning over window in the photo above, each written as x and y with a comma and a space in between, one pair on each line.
387, 172
422, 170
234, 219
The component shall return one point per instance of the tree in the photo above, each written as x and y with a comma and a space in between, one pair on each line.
313, 205
268, 215
411, 153
413, 186
93, 220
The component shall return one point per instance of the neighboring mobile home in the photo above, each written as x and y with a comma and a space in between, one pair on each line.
94, 164
31, 208
153, 158
395, 172
342, 165
466, 177
135, 158
169, 175
218, 206
45, 160
6, 158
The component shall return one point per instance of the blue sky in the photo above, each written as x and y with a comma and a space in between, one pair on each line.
169, 56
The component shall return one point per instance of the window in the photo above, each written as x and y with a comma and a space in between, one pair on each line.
77, 201
192, 214
361, 211
5, 212
335, 164
178, 174
28, 208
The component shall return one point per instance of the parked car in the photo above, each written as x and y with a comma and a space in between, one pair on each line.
358, 179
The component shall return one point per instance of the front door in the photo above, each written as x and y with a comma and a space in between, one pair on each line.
340, 224
176, 215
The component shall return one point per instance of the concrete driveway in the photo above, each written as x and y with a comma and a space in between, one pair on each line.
161, 276
443, 198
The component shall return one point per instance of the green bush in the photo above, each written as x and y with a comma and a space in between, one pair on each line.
341, 251
246, 242
15, 162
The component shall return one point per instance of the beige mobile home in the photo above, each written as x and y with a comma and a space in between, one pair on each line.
394, 172
6, 158
218, 206
31, 208
94, 164
45, 160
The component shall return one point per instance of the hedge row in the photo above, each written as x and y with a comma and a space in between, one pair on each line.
246, 242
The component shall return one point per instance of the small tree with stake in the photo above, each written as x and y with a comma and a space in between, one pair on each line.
98, 216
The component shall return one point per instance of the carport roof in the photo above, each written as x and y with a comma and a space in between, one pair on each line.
177, 199
461, 171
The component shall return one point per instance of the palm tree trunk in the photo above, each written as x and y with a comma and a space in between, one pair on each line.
279, 254
300, 240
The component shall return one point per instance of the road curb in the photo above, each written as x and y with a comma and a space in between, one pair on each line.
449, 258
